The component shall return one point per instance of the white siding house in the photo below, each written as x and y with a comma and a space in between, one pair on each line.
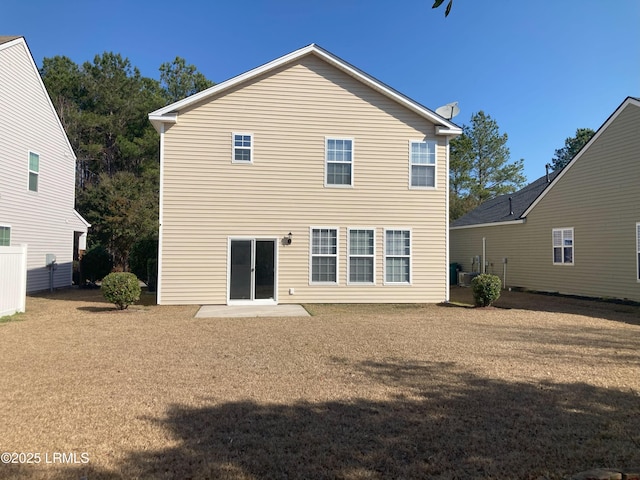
37, 172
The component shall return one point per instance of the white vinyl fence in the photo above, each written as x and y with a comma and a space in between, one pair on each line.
13, 279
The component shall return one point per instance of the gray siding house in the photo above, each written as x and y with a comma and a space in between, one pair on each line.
37, 172
576, 232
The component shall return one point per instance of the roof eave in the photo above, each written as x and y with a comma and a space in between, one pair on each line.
158, 120
491, 224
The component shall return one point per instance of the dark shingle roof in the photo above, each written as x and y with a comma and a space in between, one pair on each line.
6, 38
497, 209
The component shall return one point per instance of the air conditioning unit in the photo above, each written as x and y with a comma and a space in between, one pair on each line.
464, 278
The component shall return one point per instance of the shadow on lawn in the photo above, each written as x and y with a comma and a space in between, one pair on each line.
447, 424
608, 309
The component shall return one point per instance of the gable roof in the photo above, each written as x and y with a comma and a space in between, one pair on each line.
7, 38
11, 41
169, 114
629, 101
496, 211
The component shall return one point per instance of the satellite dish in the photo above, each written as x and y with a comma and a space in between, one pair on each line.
449, 110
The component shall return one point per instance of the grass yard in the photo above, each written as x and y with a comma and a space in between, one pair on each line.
353, 392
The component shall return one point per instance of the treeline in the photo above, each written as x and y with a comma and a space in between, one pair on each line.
103, 106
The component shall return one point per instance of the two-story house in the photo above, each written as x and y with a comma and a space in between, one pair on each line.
37, 173
303, 180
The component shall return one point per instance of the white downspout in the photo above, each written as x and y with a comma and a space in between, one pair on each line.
160, 217
483, 267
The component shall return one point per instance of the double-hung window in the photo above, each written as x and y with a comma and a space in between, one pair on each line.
5, 236
339, 162
563, 246
34, 171
397, 256
422, 160
324, 255
242, 148
361, 255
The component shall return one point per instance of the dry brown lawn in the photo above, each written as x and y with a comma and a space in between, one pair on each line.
541, 388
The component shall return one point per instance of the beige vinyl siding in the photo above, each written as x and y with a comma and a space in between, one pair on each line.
290, 112
44, 219
599, 197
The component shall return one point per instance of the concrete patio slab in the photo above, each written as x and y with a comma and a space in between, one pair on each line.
238, 311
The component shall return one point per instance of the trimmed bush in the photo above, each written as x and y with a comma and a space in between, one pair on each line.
121, 289
486, 289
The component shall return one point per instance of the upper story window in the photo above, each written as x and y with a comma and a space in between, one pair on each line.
339, 162
34, 171
242, 148
324, 255
361, 255
397, 256
422, 160
5, 236
563, 246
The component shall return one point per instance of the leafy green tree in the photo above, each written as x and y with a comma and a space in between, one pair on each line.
479, 165
447, 10
103, 106
572, 145
121, 208
180, 80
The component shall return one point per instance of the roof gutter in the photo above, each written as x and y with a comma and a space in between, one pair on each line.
492, 224
159, 120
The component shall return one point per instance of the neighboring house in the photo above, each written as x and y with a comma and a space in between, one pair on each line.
577, 234
37, 172
303, 180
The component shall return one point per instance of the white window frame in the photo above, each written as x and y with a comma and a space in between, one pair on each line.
426, 165
8, 227
387, 255
36, 173
335, 255
234, 148
638, 252
350, 255
327, 161
562, 245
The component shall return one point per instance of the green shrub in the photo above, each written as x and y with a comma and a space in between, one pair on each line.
121, 289
486, 289
96, 263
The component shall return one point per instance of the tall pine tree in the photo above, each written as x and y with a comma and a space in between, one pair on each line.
480, 167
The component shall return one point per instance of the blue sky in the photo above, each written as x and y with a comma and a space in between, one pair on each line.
540, 68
